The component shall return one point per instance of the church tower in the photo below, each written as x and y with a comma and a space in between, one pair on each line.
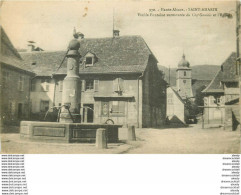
184, 79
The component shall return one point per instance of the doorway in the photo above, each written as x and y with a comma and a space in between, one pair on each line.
88, 113
20, 110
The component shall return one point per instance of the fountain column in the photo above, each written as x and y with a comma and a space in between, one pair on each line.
71, 84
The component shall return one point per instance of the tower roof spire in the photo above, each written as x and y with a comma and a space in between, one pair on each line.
183, 62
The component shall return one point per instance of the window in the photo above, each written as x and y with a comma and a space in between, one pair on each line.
89, 85
185, 73
96, 85
184, 81
20, 83
33, 85
104, 108
60, 85
117, 108
89, 61
212, 100
5, 78
118, 85
170, 101
218, 100
45, 84
11, 107
44, 106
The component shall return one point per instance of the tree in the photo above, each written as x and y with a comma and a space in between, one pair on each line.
199, 101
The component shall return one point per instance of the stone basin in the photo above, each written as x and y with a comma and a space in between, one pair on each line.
65, 132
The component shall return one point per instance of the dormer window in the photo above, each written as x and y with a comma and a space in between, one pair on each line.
89, 61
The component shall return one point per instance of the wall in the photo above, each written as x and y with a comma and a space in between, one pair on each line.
214, 114
232, 112
154, 96
40, 94
232, 117
12, 96
105, 93
175, 106
151, 109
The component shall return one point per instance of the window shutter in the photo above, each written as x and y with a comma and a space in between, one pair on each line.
19, 85
83, 85
121, 84
96, 85
115, 85
104, 108
60, 85
122, 107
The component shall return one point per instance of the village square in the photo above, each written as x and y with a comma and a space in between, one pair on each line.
111, 95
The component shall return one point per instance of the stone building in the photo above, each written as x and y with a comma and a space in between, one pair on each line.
14, 84
184, 94
176, 96
119, 81
222, 96
175, 107
184, 79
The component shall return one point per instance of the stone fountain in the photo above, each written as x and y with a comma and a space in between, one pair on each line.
67, 130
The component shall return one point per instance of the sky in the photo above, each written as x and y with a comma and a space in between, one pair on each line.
204, 40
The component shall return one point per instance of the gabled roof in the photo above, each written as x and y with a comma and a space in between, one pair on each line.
177, 94
43, 63
124, 54
225, 74
8, 54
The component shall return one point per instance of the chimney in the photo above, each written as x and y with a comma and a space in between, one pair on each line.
116, 33
31, 46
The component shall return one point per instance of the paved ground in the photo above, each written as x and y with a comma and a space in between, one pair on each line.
190, 140
11, 143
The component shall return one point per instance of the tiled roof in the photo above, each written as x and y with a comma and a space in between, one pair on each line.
43, 63
8, 54
124, 54
226, 73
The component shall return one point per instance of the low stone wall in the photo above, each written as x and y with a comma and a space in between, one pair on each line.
65, 132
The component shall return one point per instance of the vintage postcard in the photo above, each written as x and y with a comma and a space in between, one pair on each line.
121, 77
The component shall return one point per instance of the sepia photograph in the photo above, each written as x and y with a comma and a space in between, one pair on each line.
121, 77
